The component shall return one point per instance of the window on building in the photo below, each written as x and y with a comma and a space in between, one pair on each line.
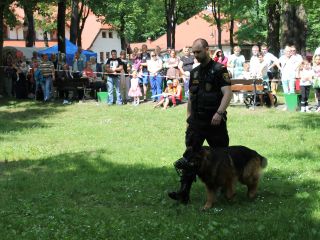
102, 57
107, 55
104, 35
110, 34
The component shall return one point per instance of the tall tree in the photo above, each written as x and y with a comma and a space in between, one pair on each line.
171, 21
46, 19
126, 16
5, 13
31, 34
83, 15
61, 23
216, 12
74, 21
273, 18
294, 27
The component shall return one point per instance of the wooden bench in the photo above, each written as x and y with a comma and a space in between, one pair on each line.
253, 87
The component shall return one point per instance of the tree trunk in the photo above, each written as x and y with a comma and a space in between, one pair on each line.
215, 9
121, 32
170, 9
173, 34
74, 21
2, 6
83, 15
273, 18
294, 27
30, 39
231, 30
61, 26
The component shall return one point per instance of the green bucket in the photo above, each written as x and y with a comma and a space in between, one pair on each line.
292, 101
102, 96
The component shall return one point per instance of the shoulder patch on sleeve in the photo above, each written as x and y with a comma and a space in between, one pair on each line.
226, 77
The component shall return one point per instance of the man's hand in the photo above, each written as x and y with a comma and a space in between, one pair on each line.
216, 119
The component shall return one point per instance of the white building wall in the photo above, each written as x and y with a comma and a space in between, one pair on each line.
12, 33
20, 33
106, 44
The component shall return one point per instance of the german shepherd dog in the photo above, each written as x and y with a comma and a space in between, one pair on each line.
220, 168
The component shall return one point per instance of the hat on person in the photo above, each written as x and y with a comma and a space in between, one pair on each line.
169, 82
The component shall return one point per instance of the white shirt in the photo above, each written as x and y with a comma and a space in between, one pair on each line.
254, 63
269, 58
154, 66
288, 68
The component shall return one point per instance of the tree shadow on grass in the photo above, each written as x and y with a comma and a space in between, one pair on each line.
16, 116
86, 195
304, 121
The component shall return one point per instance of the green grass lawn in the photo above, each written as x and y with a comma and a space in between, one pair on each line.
88, 171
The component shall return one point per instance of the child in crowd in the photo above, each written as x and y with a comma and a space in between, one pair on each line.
316, 81
306, 74
246, 71
167, 95
135, 90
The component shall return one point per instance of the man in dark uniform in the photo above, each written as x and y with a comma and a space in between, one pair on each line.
210, 95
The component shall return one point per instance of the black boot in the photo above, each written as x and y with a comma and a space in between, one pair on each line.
182, 195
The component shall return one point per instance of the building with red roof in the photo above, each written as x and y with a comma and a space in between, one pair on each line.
191, 29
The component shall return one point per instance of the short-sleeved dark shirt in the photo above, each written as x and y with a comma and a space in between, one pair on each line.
144, 57
205, 88
187, 63
114, 63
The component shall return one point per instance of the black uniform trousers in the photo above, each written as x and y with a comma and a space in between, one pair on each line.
197, 133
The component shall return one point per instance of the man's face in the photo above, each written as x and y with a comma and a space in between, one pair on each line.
255, 51
114, 55
264, 50
200, 52
293, 51
186, 51
144, 48
123, 56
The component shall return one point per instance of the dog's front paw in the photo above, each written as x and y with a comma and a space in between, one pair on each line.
207, 206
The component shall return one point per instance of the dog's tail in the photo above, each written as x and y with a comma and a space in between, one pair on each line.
264, 162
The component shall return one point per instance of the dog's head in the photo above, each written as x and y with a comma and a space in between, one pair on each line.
196, 157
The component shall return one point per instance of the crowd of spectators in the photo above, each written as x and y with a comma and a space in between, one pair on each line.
156, 72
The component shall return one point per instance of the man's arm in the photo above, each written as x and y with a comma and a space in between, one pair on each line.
227, 96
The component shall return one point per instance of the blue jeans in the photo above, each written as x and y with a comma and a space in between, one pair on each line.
156, 85
288, 86
46, 87
113, 81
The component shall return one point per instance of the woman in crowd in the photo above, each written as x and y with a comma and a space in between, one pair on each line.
235, 63
172, 65
219, 57
316, 81
177, 92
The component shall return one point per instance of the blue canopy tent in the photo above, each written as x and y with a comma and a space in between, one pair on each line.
70, 51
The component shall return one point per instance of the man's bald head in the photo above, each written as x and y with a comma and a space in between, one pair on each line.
200, 49
202, 42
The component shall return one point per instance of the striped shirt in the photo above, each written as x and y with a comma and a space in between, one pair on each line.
46, 68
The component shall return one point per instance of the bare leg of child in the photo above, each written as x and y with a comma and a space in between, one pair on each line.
166, 103
159, 103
